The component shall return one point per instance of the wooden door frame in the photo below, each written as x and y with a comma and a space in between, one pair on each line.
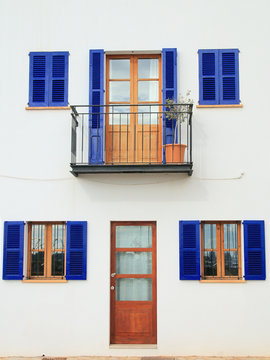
153, 276
134, 80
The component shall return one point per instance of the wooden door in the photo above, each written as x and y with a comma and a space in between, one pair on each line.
133, 283
133, 122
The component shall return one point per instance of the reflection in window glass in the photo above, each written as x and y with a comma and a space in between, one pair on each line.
133, 236
38, 237
119, 69
119, 91
132, 289
210, 263
148, 115
209, 236
230, 236
37, 263
131, 262
231, 263
119, 115
148, 68
148, 91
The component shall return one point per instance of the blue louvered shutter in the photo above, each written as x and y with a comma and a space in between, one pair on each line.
13, 250
208, 77
58, 79
254, 249
229, 76
96, 97
39, 79
189, 244
169, 90
76, 257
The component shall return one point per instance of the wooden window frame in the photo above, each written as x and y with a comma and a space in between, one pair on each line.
47, 250
220, 251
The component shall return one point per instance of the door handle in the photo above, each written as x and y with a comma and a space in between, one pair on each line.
112, 287
113, 275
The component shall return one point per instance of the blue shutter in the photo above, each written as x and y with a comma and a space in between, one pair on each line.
58, 79
208, 77
189, 232
229, 76
169, 91
38, 79
96, 97
76, 257
254, 249
13, 250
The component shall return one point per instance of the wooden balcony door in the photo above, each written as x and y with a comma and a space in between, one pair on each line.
133, 283
133, 124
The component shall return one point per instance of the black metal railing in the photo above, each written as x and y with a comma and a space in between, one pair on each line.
131, 137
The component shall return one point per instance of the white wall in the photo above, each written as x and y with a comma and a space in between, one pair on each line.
230, 181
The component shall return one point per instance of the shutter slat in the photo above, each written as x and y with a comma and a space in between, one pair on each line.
13, 250
229, 76
254, 248
76, 250
169, 91
189, 244
96, 97
58, 81
208, 77
38, 79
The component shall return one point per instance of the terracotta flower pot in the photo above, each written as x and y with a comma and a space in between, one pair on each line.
175, 153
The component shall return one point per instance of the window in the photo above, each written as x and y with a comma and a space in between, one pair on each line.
221, 250
47, 248
55, 250
211, 250
133, 78
48, 86
218, 77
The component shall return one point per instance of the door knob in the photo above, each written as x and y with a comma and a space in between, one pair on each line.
112, 287
113, 274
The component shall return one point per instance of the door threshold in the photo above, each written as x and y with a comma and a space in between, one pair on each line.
133, 346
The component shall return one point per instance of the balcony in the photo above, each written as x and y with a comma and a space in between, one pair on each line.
144, 138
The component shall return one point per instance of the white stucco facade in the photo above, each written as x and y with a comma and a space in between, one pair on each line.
230, 178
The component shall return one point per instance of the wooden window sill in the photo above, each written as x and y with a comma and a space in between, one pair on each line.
222, 281
44, 281
47, 108
220, 106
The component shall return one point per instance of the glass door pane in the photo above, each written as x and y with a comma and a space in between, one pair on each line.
130, 262
133, 236
132, 289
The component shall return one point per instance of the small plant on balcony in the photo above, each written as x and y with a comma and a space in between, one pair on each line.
177, 113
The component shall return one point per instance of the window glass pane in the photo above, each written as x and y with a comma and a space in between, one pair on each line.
133, 236
230, 236
148, 90
130, 289
210, 263
209, 236
58, 237
38, 237
58, 261
119, 91
37, 263
148, 68
119, 69
131, 262
119, 115
148, 115
231, 263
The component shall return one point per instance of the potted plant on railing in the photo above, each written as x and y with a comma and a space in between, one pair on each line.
177, 113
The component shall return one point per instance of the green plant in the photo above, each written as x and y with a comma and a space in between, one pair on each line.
179, 112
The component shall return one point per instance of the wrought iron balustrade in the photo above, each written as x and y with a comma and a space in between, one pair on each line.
131, 138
